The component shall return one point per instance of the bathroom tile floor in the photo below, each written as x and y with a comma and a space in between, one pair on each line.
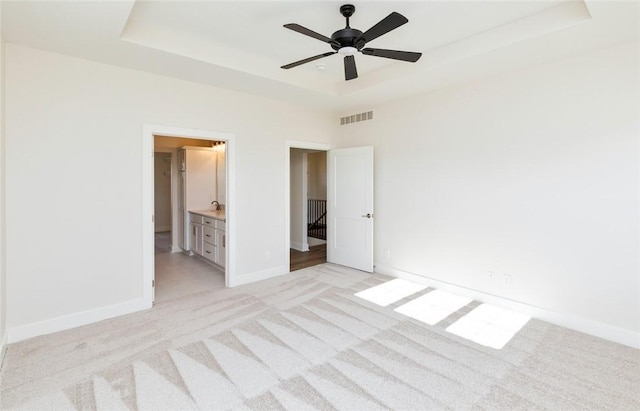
178, 275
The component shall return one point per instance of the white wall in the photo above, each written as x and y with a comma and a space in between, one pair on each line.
3, 288
221, 173
533, 174
162, 191
318, 175
298, 171
74, 167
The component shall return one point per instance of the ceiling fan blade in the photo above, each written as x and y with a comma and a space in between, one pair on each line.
303, 30
350, 71
391, 22
393, 54
319, 56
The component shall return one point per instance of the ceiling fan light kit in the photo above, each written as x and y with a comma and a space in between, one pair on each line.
349, 41
347, 51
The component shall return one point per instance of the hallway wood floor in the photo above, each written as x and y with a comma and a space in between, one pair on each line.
316, 255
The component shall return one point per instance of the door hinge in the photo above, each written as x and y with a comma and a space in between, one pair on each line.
153, 283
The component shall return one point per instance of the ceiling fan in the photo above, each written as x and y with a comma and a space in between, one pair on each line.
348, 41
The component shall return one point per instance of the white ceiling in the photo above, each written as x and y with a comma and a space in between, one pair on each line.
241, 45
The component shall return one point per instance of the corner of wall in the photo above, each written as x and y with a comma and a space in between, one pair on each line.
3, 276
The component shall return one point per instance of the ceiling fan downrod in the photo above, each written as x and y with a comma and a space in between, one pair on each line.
347, 11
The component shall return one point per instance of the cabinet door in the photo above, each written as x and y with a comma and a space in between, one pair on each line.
199, 239
221, 247
182, 214
192, 241
196, 238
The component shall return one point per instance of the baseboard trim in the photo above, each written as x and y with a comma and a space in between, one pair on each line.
594, 328
297, 245
22, 332
258, 276
3, 347
315, 241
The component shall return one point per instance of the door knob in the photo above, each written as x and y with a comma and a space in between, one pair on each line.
368, 215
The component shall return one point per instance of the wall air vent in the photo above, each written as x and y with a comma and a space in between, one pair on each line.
356, 118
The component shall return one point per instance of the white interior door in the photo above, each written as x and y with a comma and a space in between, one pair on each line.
350, 207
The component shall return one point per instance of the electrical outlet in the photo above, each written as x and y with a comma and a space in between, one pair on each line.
387, 255
267, 255
506, 280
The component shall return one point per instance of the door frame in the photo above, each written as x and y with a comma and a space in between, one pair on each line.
148, 264
288, 145
303, 190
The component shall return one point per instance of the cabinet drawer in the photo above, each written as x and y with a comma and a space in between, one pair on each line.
196, 219
209, 251
209, 235
209, 222
220, 225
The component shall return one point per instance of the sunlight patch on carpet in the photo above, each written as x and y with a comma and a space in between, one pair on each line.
489, 325
433, 307
390, 292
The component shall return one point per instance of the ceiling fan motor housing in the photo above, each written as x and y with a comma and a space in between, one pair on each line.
346, 38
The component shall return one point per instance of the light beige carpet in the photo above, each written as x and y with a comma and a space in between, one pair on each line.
304, 341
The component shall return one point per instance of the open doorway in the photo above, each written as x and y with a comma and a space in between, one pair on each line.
308, 208
189, 192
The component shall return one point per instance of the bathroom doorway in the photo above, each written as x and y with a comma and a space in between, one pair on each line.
189, 175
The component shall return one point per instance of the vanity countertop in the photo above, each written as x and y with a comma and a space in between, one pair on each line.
218, 215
